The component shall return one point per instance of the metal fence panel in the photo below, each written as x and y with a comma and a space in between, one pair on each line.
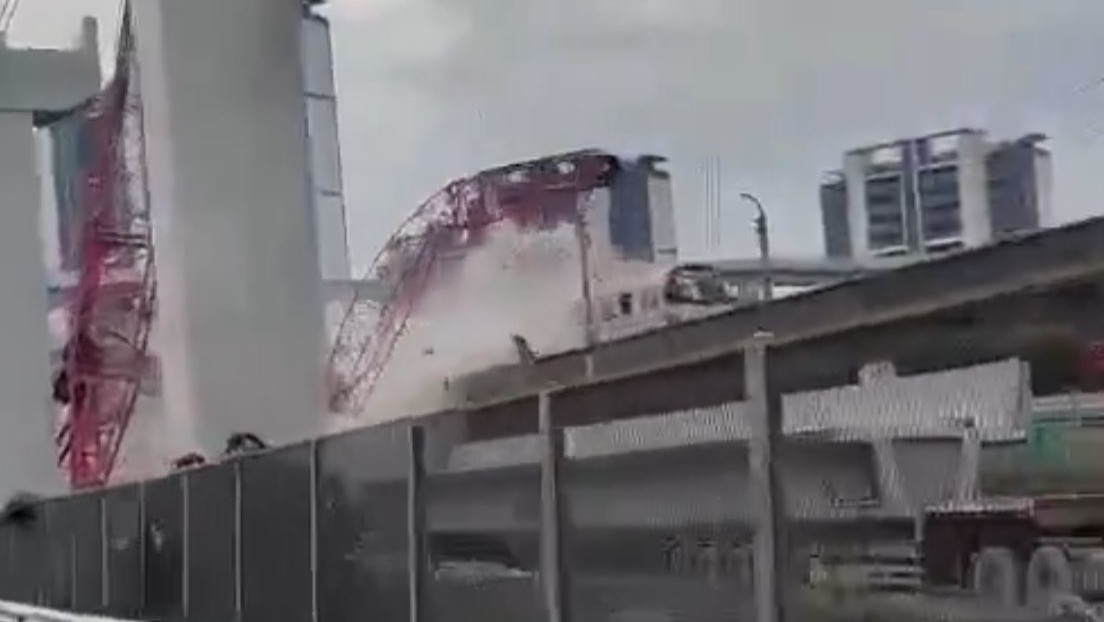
163, 501
89, 561
212, 543
658, 535
6, 561
123, 508
483, 531
60, 553
276, 554
24, 569
29, 568
362, 526
15, 587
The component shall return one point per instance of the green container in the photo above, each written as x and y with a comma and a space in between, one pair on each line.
1059, 456
1048, 444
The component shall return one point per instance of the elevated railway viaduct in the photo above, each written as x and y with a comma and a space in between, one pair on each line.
1038, 297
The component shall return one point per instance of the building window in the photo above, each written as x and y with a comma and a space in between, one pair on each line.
886, 238
939, 202
894, 251
885, 218
606, 309
625, 304
944, 227
941, 246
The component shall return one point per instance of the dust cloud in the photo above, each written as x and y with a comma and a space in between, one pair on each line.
526, 283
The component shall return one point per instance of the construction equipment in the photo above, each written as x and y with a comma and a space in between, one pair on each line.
112, 307
535, 195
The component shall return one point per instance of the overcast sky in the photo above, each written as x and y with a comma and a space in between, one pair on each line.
775, 89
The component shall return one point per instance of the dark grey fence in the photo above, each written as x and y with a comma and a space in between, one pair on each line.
397, 522
636, 520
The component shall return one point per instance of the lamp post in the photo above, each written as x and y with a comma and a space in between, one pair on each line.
761, 232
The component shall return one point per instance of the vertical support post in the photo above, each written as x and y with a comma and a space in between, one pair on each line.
143, 549
105, 580
966, 484
763, 237
415, 522
238, 585
762, 234
25, 464
43, 582
185, 547
553, 574
590, 326
765, 413
73, 578
11, 562
314, 528
891, 491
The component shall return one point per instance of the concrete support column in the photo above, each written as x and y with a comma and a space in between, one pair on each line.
240, 316
854, 173
765, 412
27, 455
31, 81
890, 485
966, 484
554, 578
973, 184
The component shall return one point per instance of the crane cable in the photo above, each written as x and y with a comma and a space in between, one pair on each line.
7, 13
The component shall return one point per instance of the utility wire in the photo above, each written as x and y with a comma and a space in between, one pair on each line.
7, 14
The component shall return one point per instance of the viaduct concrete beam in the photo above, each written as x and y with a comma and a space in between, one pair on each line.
43, 81
1035, 261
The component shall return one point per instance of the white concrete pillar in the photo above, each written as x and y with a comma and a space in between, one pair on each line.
966, 480
973, 189
240, 319
1044, 188
30, 81
854, 174
27, 455
890, 483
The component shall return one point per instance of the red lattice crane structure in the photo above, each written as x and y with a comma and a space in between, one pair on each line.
534, 195
112, 307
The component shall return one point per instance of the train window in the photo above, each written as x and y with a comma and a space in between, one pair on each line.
625, 303
606, 309
462, 554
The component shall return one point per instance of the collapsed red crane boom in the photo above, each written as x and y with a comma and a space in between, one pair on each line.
539, 194
111, 312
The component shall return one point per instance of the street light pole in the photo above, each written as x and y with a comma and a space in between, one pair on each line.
769, 546
761, 232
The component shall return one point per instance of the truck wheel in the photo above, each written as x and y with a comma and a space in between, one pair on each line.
1049, 574
995, 576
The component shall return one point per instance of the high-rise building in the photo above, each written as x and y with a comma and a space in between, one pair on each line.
66, 153
326, 201
935, 193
